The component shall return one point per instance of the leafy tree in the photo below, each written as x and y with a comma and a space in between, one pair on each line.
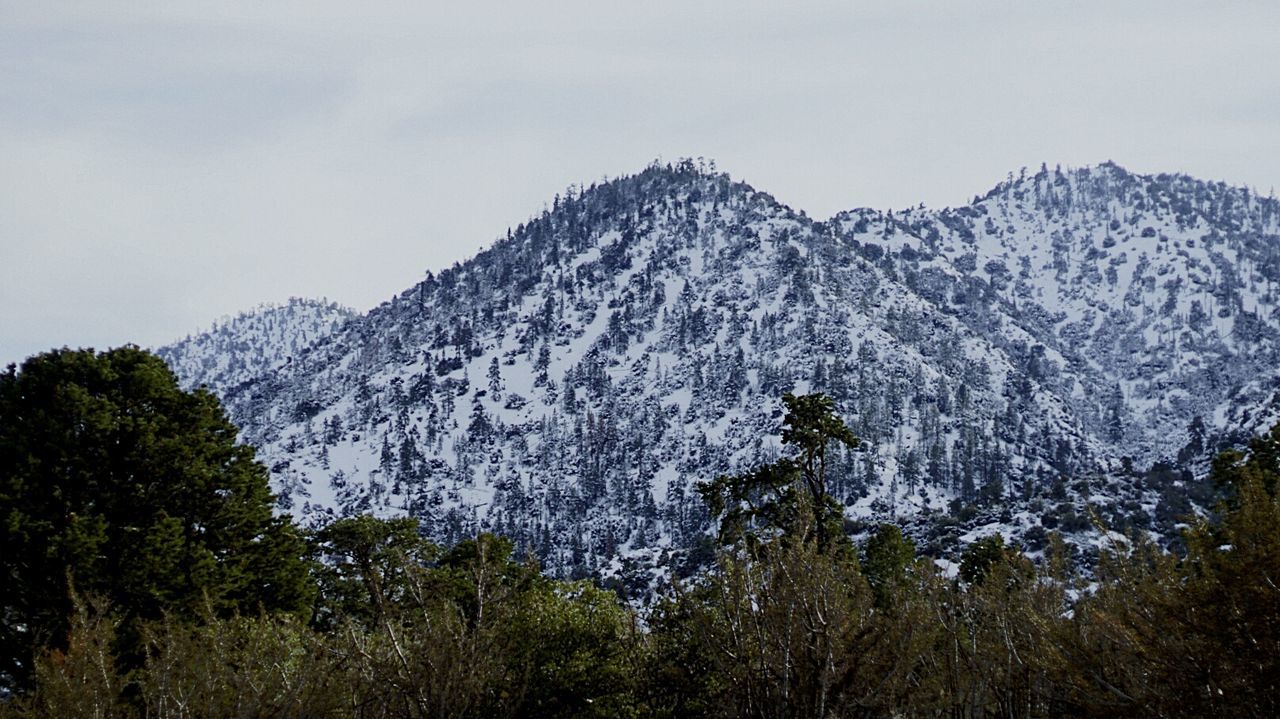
997, 652
791, 632
469, 631
114, 480
1196, 635
573, 652
242, 666
683, 671
1229, 613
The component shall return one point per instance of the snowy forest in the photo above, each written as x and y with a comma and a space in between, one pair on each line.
185, 595
1072, 341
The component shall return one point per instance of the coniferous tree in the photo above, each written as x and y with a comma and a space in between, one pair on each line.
886, 558
116, 482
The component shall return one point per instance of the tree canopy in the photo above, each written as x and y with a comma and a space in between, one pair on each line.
115, 482
407, 629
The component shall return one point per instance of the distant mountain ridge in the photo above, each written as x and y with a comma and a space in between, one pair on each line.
240, 349
1006, 363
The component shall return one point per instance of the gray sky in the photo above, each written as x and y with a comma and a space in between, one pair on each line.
163, 164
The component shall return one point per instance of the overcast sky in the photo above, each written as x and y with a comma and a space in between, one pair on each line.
163, 164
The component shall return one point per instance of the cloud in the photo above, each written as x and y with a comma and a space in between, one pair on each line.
163, 164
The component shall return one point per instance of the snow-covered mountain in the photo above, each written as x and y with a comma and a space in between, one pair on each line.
1005, 363
252, 344
1158, 293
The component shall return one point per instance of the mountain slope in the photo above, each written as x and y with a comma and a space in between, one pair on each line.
569, 385
239, 349
1159, 293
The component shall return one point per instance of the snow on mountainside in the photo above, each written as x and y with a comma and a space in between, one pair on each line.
568, 386
238, 349
1157, 294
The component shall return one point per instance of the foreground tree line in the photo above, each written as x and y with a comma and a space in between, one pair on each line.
146, 577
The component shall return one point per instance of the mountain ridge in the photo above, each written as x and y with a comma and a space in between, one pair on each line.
570, 383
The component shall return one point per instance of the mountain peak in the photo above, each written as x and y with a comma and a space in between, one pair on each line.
569, 385
239, 349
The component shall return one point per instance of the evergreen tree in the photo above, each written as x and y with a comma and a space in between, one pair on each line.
494, 376
119, 484
886, 558
790, 494
812, 426
982, 555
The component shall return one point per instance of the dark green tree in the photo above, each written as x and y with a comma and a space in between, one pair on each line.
369, 568
763, 498
887, 556
1234, 469
790, 494
980, 557
813, 427
116, 482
